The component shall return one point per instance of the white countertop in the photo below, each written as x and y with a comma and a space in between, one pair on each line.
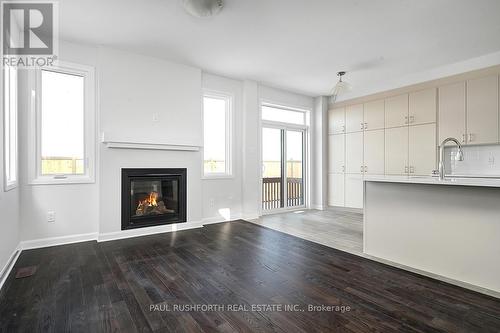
457, 181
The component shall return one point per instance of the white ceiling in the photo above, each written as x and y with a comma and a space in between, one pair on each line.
295, 44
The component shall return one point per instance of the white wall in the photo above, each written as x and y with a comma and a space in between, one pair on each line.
132, 90
319, 153
222, 197
76, 206
9, 205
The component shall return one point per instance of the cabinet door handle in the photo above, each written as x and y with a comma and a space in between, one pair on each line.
471, 136
343, 168
361, 169
366, 126
362, 126
464, 138
412, 119
343, 128
366, 169
412, 169
406, 120
406, 169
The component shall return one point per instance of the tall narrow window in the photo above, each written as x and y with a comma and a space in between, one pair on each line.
216, 129
10, 126
62, 124
65, 125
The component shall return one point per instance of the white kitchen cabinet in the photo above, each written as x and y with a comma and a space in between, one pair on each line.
354, 152
396, 151
336, 190
452, 112
374, 152
336, 121
482, 110
422, 107
422, 149
336, 153
354, 191
354, 118
396, 111
374, 115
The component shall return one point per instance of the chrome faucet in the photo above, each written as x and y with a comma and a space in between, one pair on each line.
458, 157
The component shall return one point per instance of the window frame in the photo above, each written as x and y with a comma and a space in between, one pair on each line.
8, 113
306, 130
89, 123
229, 99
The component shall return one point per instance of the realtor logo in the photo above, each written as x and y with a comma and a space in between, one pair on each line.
29, 33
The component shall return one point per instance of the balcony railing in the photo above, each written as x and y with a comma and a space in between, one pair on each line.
272, 197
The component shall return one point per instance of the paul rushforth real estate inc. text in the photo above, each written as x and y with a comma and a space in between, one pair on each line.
248, 308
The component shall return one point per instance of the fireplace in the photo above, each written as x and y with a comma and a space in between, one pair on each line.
152, 197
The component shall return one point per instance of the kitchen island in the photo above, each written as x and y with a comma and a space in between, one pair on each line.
449, 229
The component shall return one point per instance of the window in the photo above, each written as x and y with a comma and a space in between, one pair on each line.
216, 130
283, 115
10, 126
65, 125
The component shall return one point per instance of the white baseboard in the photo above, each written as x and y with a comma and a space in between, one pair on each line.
53, 241
318, 207
5, 272
220, 219
122, 234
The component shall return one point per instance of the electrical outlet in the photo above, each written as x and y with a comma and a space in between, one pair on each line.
51, 216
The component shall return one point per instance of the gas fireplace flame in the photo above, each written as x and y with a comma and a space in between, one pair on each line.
153, 204
149, 202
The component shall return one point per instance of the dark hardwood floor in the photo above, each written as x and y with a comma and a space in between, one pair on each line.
112, 286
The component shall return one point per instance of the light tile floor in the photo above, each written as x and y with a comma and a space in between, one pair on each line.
334, 228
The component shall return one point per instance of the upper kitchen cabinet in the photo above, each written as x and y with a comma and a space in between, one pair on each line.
396, 151
452, 112
373, 153
336, 153
354, 118
422, 107
422, 149
396, 111
374, 117
482, 110
354, 152
336, 121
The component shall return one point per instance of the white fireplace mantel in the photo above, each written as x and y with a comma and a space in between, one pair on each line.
117, 143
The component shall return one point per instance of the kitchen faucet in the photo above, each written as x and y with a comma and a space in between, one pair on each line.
458, 157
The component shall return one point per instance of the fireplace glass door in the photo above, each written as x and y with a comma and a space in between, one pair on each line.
154, 197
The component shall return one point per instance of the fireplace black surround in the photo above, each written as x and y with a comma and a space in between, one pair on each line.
152, 197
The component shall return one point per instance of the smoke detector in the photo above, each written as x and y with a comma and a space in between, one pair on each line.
203, 8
